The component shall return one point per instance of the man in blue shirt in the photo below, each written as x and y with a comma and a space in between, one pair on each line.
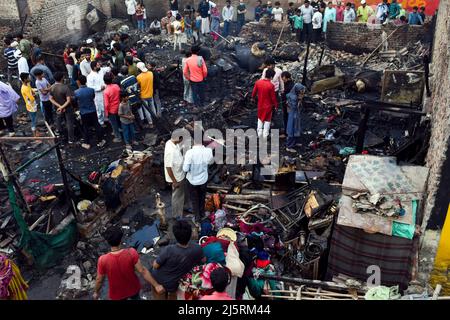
414, 17
84, 97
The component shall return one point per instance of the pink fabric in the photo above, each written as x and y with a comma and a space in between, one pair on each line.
217, 296
206, 275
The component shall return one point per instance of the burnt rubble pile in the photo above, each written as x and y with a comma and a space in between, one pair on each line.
289, 216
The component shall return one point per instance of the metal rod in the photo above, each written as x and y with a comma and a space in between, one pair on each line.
279, 37
312, 283
379, 46
39, 156
305, 66
321, 55
222, 37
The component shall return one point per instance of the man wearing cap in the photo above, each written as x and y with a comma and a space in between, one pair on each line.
95, 81
145, 81
317, 25
11, 47
307, 13
364, 12
22, 63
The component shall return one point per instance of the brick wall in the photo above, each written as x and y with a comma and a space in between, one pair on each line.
438, 105
360, 37
8, 10
55, 20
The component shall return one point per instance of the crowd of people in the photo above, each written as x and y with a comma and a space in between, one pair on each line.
308, 21
103, 85
114, 86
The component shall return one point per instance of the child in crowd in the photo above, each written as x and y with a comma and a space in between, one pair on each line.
178, 30
220, 279
298, 24
127, 120
215, 23
28, 96
44, 87
198, 27
140, 17
145, 15
188, 24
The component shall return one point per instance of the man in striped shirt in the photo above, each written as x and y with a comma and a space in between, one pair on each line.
12, 60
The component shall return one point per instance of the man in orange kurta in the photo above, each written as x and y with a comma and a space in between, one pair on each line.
267, 101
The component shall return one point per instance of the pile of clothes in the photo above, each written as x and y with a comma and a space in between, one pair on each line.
243, 245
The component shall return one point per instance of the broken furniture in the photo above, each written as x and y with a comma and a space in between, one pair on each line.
130, 184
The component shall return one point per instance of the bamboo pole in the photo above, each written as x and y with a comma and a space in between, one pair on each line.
378, 47
17, 139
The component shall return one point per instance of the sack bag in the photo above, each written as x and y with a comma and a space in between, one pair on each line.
233, 262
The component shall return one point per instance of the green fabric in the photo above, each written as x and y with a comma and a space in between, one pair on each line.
382, 293
256, 285
406, 230
47, 250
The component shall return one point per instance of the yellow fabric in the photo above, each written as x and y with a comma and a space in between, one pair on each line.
145, 81
28, 97
18, 286
439, 275
365, 13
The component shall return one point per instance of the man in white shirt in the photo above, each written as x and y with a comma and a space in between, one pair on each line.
131, 10
22, 63
96, 82
277, 81
277, 12
227, 15
196, 163
173, 169
85, 65
317, 25
307, 14
116, 39
349, 14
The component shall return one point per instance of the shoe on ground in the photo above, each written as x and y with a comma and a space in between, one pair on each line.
12, 134
117, 140
135, 143
128, 147
291, 150
101, 144
71, 143
86, 146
